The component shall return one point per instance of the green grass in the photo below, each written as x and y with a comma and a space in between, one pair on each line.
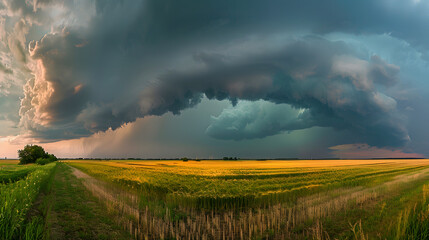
377, 218
16, 200
14, 174
76, 214
413, 223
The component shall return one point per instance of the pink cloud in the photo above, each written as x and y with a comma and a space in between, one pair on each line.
363, 150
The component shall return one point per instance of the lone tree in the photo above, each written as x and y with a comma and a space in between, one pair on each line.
31, 153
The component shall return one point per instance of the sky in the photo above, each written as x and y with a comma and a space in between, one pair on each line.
207, 79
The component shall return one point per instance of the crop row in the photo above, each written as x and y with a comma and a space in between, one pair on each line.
185, 187
13, 175
16, 199
374, 194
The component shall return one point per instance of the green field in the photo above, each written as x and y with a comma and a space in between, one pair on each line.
320, 199
19, 188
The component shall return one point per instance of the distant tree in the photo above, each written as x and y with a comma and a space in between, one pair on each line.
225, 158
185, 159
31, 153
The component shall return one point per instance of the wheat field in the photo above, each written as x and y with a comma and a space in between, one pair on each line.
273, 199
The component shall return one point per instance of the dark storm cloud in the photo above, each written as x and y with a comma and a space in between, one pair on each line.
249, 120
120, 65
164, 21
338, 89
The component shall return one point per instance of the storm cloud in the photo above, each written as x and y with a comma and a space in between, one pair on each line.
337, 89
101, 64
248, 120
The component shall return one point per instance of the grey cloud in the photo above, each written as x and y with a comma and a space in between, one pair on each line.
18, 50
313, 73
5, 69
89, 70
57, 93
169, 21
26, 10
258, 119
338, 89
17, 41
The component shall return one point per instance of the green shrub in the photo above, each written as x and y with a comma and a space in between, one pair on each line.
43, 161
52, 158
